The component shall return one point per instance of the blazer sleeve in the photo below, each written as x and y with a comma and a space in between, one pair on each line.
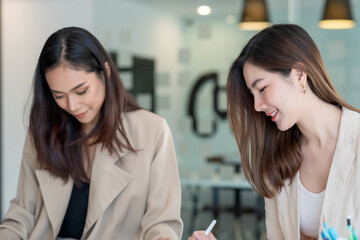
163, 207
273, 228
19, 220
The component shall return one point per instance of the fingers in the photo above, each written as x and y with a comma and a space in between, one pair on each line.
212, 237
200, 235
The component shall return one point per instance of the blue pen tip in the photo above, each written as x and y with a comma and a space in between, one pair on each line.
333, 233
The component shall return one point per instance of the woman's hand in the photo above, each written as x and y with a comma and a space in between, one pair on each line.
200, 235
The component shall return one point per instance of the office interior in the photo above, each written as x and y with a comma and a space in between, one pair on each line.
175, 62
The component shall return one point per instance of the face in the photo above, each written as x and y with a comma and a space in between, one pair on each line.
275, 95
78, 92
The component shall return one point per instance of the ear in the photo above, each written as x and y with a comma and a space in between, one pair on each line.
300, 70
301, 78
107, 68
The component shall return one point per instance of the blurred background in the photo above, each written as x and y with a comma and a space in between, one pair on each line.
175, 62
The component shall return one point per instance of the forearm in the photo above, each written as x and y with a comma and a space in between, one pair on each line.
8, 234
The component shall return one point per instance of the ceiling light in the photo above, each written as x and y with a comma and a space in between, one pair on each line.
254, 15
337, 15
204, 10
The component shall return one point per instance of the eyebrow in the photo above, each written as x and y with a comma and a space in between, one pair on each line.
253, 85
76, 87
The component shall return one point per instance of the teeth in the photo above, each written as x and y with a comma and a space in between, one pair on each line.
273, 114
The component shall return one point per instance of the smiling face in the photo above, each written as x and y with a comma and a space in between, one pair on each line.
78, 92
275, 95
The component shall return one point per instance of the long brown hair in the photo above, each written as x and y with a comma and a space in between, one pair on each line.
269, 156
56, 134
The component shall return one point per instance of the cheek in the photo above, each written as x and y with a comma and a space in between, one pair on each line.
279, 95
61, 103
100, 94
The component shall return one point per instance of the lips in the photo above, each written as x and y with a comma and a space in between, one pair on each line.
81, 114
272, 114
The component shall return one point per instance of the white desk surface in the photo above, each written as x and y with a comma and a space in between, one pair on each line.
214, 182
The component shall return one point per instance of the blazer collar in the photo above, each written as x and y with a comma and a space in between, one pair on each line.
107, 181
56, 194
292, 208
344, 156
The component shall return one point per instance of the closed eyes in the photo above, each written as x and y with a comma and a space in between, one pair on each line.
78, 93
82, 92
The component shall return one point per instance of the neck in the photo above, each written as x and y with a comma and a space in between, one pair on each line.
320, 124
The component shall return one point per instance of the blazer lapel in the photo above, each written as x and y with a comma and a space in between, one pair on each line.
291, 208
107, 181
342, 162
56, 194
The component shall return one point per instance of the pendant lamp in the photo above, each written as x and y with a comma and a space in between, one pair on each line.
337, 15
254, 15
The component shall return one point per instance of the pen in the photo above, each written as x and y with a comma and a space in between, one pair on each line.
324, 235
326, 230
333, 233
354, 234
350, 232
210, 227
350, 235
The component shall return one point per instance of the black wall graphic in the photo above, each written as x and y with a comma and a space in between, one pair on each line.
205, 79
143, 71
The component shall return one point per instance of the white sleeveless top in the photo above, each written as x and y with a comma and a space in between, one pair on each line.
310, 211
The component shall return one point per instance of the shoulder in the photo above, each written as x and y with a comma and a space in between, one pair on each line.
348, 113
143, 119
350, 124
143, 116
145, 129
143, 123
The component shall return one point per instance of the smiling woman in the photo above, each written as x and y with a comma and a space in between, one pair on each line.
93, 161
298, 139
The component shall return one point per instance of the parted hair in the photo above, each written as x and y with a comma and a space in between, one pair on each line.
57, 135
270, 156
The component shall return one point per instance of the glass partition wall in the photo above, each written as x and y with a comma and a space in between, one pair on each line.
175, 62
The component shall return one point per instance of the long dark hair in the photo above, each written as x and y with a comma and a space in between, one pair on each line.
270, 156
57, 135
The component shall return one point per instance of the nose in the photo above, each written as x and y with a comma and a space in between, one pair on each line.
259, 104
72, 103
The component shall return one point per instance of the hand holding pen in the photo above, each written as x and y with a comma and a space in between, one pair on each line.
204, 235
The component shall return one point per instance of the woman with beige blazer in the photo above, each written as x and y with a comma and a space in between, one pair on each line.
95, 166
298, 139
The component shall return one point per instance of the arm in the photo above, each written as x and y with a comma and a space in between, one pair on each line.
19, 220
162, 216
273, 228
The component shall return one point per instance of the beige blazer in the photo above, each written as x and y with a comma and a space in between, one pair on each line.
342, 194
135, 197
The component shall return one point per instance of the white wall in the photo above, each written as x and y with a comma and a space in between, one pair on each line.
26, 24
150, 32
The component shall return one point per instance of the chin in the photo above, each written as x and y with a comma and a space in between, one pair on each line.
283, 128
